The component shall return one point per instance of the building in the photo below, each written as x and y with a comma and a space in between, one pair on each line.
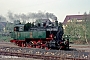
78, 18
6, 26
2, 26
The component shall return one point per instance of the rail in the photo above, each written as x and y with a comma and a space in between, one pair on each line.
38, 56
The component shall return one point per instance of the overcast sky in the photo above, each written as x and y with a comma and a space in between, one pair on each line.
60, 8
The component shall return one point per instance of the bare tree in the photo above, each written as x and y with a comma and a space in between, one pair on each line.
84, 27
10, 16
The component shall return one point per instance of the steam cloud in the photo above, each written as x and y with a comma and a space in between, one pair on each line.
2, 18
26, 17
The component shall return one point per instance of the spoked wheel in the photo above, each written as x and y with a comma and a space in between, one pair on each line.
28, 44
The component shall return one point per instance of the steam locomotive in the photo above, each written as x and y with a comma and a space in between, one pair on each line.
41, 34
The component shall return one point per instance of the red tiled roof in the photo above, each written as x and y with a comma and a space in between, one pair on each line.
70, 17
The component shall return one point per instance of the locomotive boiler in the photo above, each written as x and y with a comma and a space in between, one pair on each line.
40, 34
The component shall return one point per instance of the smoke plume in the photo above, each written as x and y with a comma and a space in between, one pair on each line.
2, 18
30, 15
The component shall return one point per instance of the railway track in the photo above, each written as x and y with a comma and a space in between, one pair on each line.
38, 56
44, 54
8, 49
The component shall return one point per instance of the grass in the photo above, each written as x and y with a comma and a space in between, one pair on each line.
5, 38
